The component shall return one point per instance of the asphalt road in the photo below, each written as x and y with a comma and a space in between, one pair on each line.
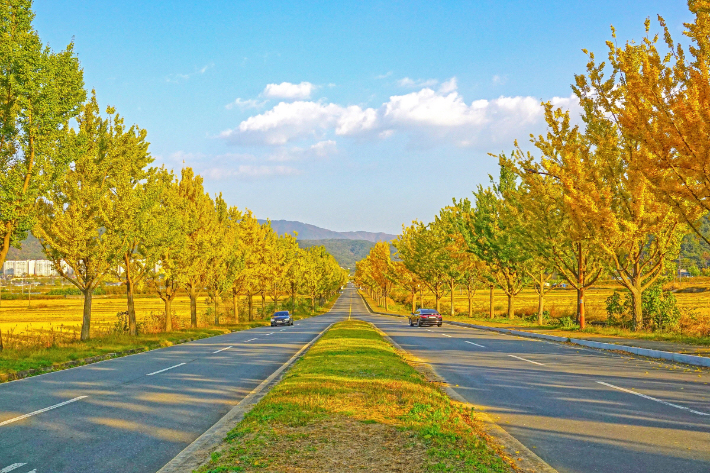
134, 414
580, 410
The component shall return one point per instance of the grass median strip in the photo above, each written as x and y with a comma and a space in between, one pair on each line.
352, 403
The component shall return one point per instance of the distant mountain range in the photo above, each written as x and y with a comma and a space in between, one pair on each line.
311, 232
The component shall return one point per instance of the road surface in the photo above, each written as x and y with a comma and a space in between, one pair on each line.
134, 414
580, 410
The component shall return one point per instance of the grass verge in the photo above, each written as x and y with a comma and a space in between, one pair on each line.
353, 403
48, 355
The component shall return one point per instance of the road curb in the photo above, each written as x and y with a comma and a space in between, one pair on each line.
198, 452
658, 354
522, 457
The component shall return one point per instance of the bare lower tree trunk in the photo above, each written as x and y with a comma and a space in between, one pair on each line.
86, 322
250, 302
216, 309
438, 302
193, 307
1, 345
540, 305
511, 308
637, 308
132, 325
491, 312
235, 301
414, 295
453, 288
581, 266
263, 304
168, 314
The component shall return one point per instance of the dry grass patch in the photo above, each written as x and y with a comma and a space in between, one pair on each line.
352, 403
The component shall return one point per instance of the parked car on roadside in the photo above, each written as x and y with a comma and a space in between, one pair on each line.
282, 317
425, 317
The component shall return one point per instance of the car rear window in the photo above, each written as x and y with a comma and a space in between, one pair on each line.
283, 312
429, 311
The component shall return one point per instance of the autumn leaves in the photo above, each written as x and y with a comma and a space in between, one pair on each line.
610, 193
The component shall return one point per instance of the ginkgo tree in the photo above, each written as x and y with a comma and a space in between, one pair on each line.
40, 92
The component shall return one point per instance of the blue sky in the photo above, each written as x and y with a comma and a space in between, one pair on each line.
346, 115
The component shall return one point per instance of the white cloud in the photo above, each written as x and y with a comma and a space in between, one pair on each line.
413, 84
287, 90
290, 121
384, 76
245, 104
428, 117
323, 149
449, 86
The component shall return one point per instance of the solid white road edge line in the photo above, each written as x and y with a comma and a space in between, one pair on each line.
654, 399
166, 369
474, 344
14, 466
15, 419
230, 346
529, 361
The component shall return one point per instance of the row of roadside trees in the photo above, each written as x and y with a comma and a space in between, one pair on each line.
612, 193
84, 184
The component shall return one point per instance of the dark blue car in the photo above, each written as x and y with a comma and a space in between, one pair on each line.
282, 317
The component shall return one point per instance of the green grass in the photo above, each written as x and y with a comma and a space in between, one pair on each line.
45, 351
353, 385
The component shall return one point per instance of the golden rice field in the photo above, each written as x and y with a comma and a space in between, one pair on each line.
21, 316
562, 302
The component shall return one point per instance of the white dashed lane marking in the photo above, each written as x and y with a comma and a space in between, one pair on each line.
446, 335
251, 339
165, 369
529, 361
474, 344
230, 346
14, 466
15, 419
654, 399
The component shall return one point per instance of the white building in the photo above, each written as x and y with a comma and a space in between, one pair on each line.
26, 268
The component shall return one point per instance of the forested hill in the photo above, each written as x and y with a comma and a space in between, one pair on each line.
311, 232
31, 249
346, 252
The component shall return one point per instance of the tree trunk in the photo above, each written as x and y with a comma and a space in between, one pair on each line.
540, 305
168, 313
385, 297
580, 287
216, 309
313, 301
250, 302
193, 307
293, 296
263, 304
637, 308
470, 301
414, 295
453, 288
132, 329
86, 323
511, 308
235, 301
132, 326
1, 345
491, 312
581, 318
438, 302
